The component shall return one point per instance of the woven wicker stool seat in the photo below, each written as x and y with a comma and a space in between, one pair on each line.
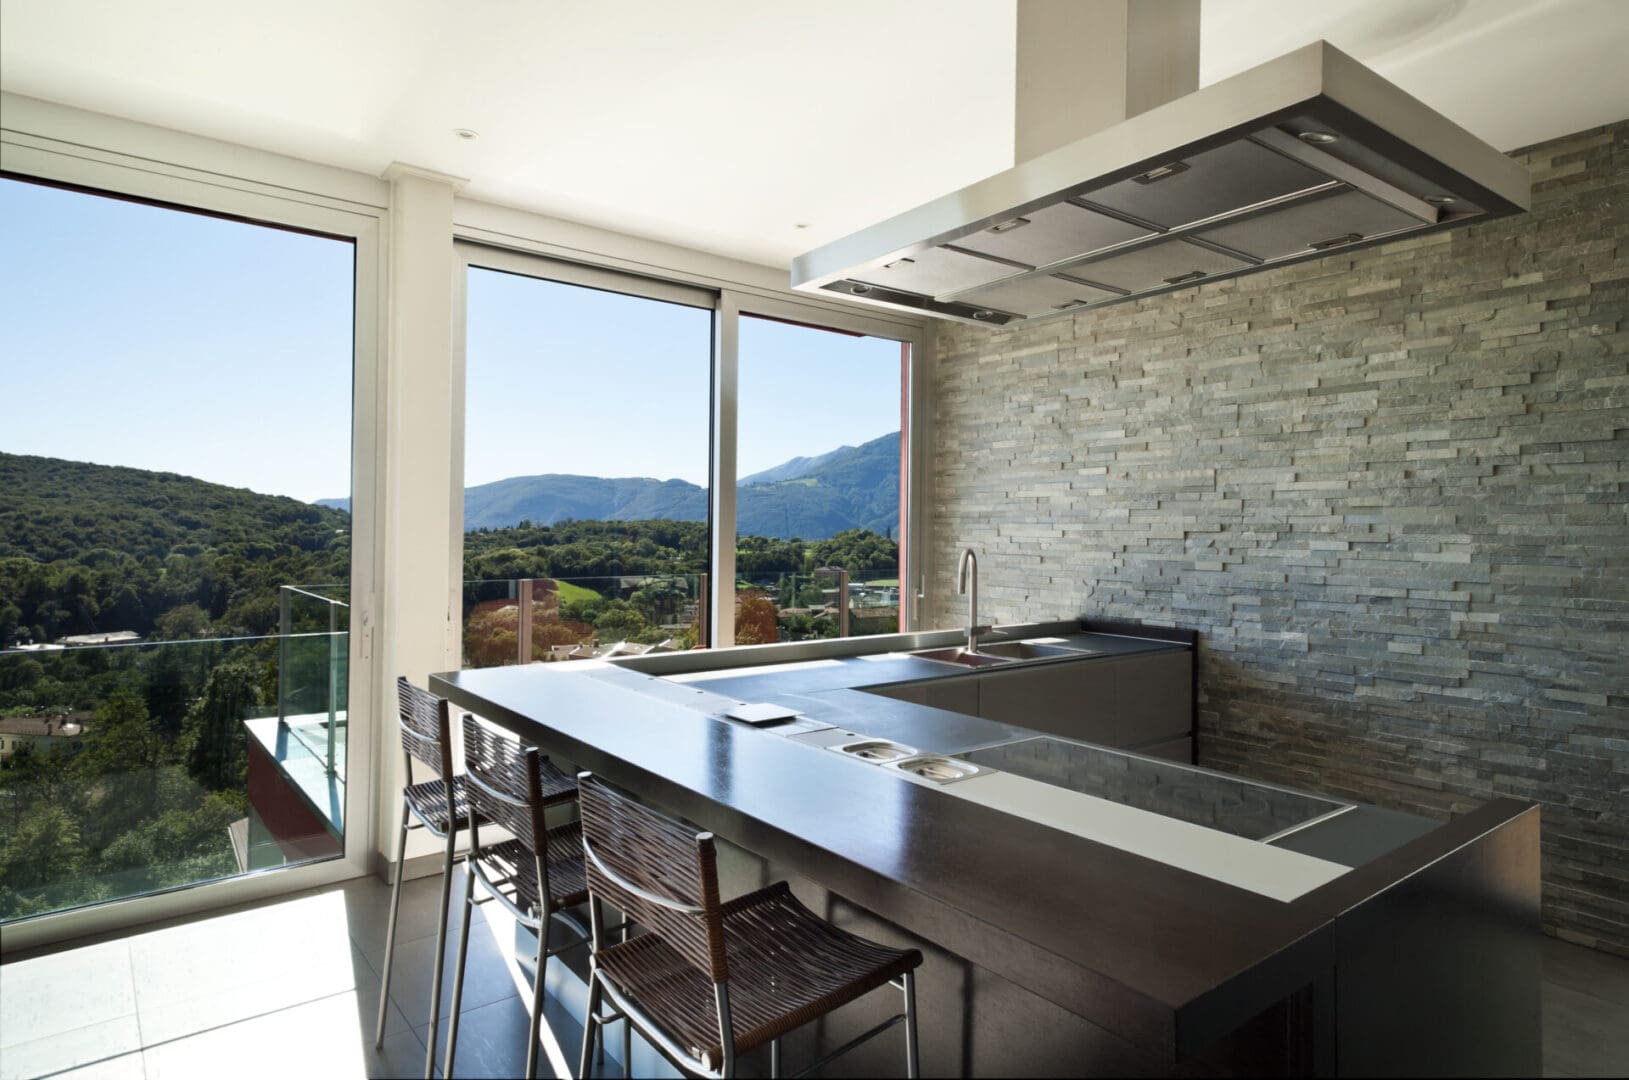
787, 966
711, 980
510, 868
428, 800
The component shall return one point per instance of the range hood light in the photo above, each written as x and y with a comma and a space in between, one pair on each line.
897, 263
1319, 138
859, 288
1009, 225
1164, 172
1335, 241
1191, 275
1441, 200
984, 313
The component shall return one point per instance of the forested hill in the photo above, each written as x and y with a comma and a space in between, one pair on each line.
853, 487
95, 548
55, 509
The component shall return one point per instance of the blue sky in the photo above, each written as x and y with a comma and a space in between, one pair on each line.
141, 336
560, 378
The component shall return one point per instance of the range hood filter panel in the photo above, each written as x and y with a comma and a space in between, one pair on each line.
1233, 175
1305, 225
1040, 295
1051, 234
1171, 262
936, 272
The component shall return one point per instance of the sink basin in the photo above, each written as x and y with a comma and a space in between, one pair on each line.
962, 657
876, 751
937, 768
1027, 650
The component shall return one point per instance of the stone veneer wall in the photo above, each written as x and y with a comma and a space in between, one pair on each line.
1391, 489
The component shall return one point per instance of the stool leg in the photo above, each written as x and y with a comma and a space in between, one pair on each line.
390, 932
913, 1067
590, 1023
627, 1046
458, 972
441, 950
537, 995
774, 1057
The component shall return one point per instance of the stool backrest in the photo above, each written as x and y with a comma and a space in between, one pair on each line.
426, 730
503, 781
659, 872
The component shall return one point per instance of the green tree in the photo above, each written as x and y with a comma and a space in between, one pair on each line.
212, 734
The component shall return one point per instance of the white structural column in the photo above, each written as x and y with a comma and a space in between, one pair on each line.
418, 627
1083, 65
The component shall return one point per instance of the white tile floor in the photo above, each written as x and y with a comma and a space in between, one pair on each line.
290, 988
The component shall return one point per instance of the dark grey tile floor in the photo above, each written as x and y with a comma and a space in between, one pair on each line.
290, 988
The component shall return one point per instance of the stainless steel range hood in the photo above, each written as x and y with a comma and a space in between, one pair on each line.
1301, 157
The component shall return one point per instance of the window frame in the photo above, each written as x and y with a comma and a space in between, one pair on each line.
728, 303
103, 173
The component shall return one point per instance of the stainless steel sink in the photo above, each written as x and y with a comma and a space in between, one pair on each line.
1028, 650
938, 768
962, 657
876, 751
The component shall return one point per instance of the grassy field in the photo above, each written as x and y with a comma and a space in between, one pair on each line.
568, 591
881, 582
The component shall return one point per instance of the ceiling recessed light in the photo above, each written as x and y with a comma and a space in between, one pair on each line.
985, 314
1319, 138
1441, 200
466, 133
859, 288
801, 225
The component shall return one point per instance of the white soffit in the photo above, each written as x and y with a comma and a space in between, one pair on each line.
722, 125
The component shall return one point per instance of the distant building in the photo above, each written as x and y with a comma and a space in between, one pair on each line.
41, 732
112, 637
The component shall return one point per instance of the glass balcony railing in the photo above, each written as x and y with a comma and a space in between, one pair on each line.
525, 620
313, 670
825, 603
134, 767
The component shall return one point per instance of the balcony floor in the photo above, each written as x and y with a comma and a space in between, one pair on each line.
290, 987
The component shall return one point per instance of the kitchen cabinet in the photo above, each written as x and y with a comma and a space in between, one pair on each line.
1134, 701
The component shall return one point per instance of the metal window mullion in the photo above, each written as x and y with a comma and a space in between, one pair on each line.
721, 489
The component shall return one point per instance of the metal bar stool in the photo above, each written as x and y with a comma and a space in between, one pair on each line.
536, 874
713, 980
439, 806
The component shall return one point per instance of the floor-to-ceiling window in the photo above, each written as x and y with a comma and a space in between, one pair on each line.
585, 462
175, 546
650, 465
820, 477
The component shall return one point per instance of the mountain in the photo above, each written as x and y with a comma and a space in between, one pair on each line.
852, 487
57, 509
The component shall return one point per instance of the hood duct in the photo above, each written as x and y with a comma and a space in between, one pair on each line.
1304, 156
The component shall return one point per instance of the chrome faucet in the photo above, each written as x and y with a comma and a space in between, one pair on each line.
969, 561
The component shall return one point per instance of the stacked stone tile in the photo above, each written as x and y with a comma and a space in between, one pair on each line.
1390, 488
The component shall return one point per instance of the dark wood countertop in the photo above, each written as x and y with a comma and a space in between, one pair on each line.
1168, 959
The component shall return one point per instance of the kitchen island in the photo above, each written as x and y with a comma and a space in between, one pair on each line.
1082, 908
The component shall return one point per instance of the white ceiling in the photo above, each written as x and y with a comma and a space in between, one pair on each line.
724, 125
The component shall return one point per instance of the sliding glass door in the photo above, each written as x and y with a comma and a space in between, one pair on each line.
820, 461
585, 462
175, 546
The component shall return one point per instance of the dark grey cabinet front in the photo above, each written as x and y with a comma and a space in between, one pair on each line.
1075, 700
